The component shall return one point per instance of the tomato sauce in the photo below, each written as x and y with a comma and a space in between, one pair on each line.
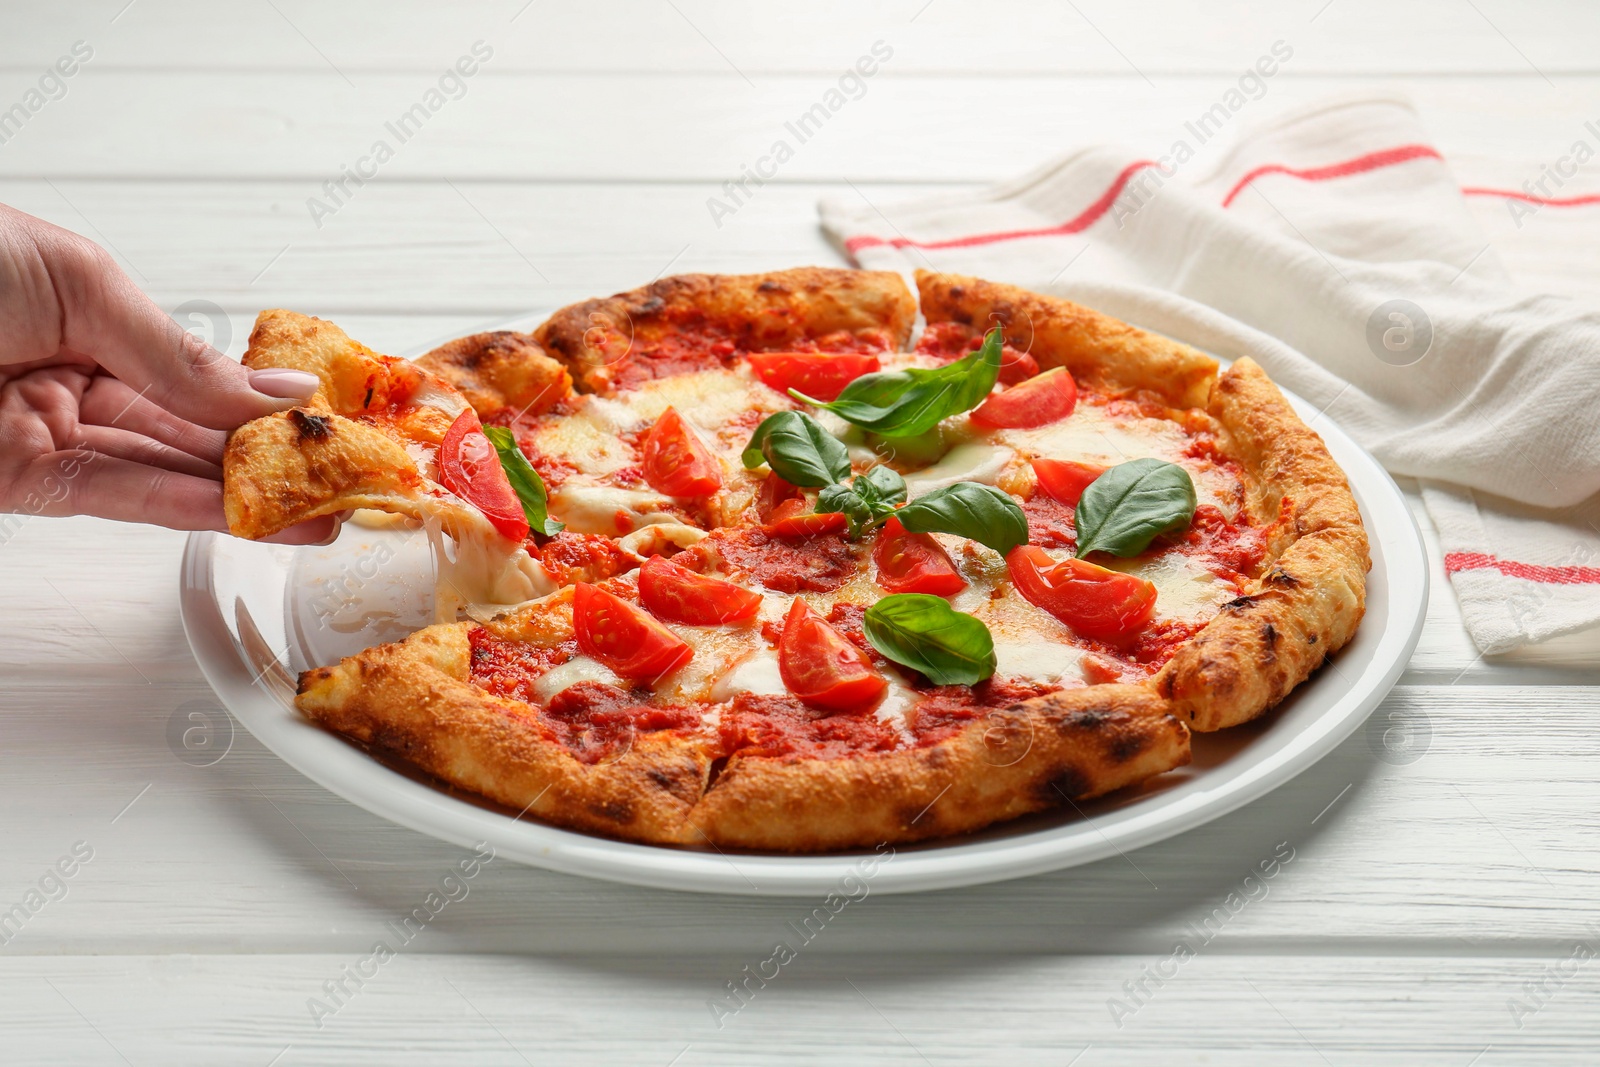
1049, 522
598, 721
510, 668
817, 564
947, 709
781, 727
571, 557
697, 343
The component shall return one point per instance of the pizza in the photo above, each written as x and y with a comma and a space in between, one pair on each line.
763, 562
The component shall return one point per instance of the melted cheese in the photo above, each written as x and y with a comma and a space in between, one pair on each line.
585, 440
575, 670
1184, 589
707, 400
604, 509
481, 567
971, 461
756, 673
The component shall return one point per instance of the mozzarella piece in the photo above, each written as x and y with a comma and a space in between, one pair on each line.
756, 673
575, 670
587, 440
707, 400
892, 709
429, 395
650, 540
972, 461
605, 509
1185, 590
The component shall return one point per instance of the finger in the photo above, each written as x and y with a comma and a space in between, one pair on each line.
86, 483
109, 402
106, 317
125, 444
319, 531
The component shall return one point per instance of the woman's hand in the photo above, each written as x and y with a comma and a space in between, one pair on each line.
107, 406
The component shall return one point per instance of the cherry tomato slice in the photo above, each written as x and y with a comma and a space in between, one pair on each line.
914, 563
820, 375
677, 594
676, 462
774, 493
624, 637
1036, 402
791, 519
470, 468
819, 665
1103, 604
1064, 480
1016, 367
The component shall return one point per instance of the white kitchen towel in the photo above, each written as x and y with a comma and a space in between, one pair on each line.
1337, 247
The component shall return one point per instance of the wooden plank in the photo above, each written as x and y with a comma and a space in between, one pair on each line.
1432, 813
911, 128
475, 254
1088, 38
1272, 1009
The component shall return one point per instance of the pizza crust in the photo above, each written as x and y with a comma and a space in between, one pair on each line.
1064, 747
1310, 598
413, 701
500, 373
1097, 350
759, 311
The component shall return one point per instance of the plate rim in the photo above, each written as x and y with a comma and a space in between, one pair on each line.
366, 782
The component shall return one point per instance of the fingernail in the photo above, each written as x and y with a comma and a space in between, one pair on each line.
285, 384
332, 537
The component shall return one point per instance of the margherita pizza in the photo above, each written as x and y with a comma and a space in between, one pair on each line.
736, 562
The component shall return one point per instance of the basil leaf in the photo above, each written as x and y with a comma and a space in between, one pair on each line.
906, 403
925, 633
880, 486
977, 512
844, 499
524, 480
868, 499
798, 450
1132, 504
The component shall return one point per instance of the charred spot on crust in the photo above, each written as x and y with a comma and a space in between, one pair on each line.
770, 286
311, 427
1311, 639
956, 292
1282, 579
1269, 641
1127, 745
714, 772
1238, 603
1085, 719
1064, 783
311, 677
650, 305
617, 811
911, 815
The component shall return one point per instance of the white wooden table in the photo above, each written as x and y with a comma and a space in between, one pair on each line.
1444, 863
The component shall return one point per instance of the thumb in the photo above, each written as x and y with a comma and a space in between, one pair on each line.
105, 317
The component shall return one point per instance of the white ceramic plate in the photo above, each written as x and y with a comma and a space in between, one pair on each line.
257, 614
